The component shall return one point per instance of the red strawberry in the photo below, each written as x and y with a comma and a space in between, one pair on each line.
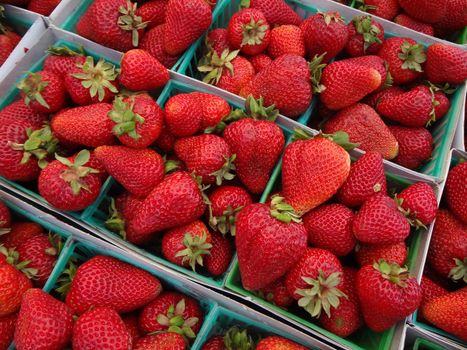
389, 289
159, 315
218, 261
183, 115
268, 242
379, 222
315, 282
448, 247
286, 39
414, 24
405, 58
386, 9
448, 312
62, 60
379, 96
138, 170
7, 330
249, 31
446, 64
424, 10
215, 108
108, 282
100, 328
370, 254
330, 227
43, 91
415, 145
456, 191
88, 125
176, 201
277, 293
312, 172
152, 12
441, 105
208, 156
153, 42
43, 7
346, 83
68, 184
161, 341
325, 33
182, 31
14, 284
366, 128
277, 12
217, 40
419, 203
366, 36
21, 232
43, 322
141, 71
131, 324
260, 62
278, 343
431, 290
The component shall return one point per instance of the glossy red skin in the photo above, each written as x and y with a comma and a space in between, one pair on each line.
153, 42
224, 196
21, 232
379, 96
161, 341
277, 246
386, 9
278, 343
43, 322
420, 200
152, 12
355, 45
369, 254
260, 61
277, 12
53, 93
43, 7
108, 282
431, 290
456, 191
407, 21
415, 145
5, 216
7, 330
183, 115
424, 10
13, 285
443, 104
222, 251
175, 201
330, 227
243, 74
217, 40
446, 64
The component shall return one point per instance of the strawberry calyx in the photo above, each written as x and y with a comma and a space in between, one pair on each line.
76, 172
283, 211
97, 77
254, 32
226, 222
11, 257
214, 67
392, 272
237, 339
129, 21
224, 173
115, 221
412, 56
323, 294
365, 27
459, 272
40, 143
361, 5
175, 321
410, 216
195, 247
66, 278
125, 118
32, 87
316, 70
65, 51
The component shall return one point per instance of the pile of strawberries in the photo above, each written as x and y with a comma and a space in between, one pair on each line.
444, 283
43, 7
8, 38
380, 91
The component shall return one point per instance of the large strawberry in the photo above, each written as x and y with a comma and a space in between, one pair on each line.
456, 191
7, 330
277, 12
365, 36
183, 115
176, 201
182, 31
43, 322
286, 39
269, 242
446, 64
106, 281
69, 184
13, 284
161, 341
364, 127
425, 10
370, 254
386, 9
153, 43
387, 288
414, 24
415, 145
278, 343
419, 204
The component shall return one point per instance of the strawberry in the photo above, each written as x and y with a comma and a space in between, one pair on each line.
217, 40
43, 91
7, 330
424, 10
248, 31
346, 83
405, 58
325, 34
369, 254
208, 156
305, 165
152, 12
315, 281
448, 312
260, 62
137, 170
277, 12
419, 203
456, 191
153, 43
137, 120
286, 39
21, 232
388, 288
409, 22
43, 322
182, 31
181, 313
5, 219
161, 341
366, 36
43, 7
141, 71
215, 109
278, 343
62, 59
14, 284
387, 9
234, 338
446, 64
89, 126
431, 290
108, 282
268, 245
187, 245
379, 96
68, 184
183, 115
379, 222
277, 293
114, 24
441, 105
100, 328
176, 201
218, 261
131, 324
448, 247
365, 127
415, 145
330, 227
